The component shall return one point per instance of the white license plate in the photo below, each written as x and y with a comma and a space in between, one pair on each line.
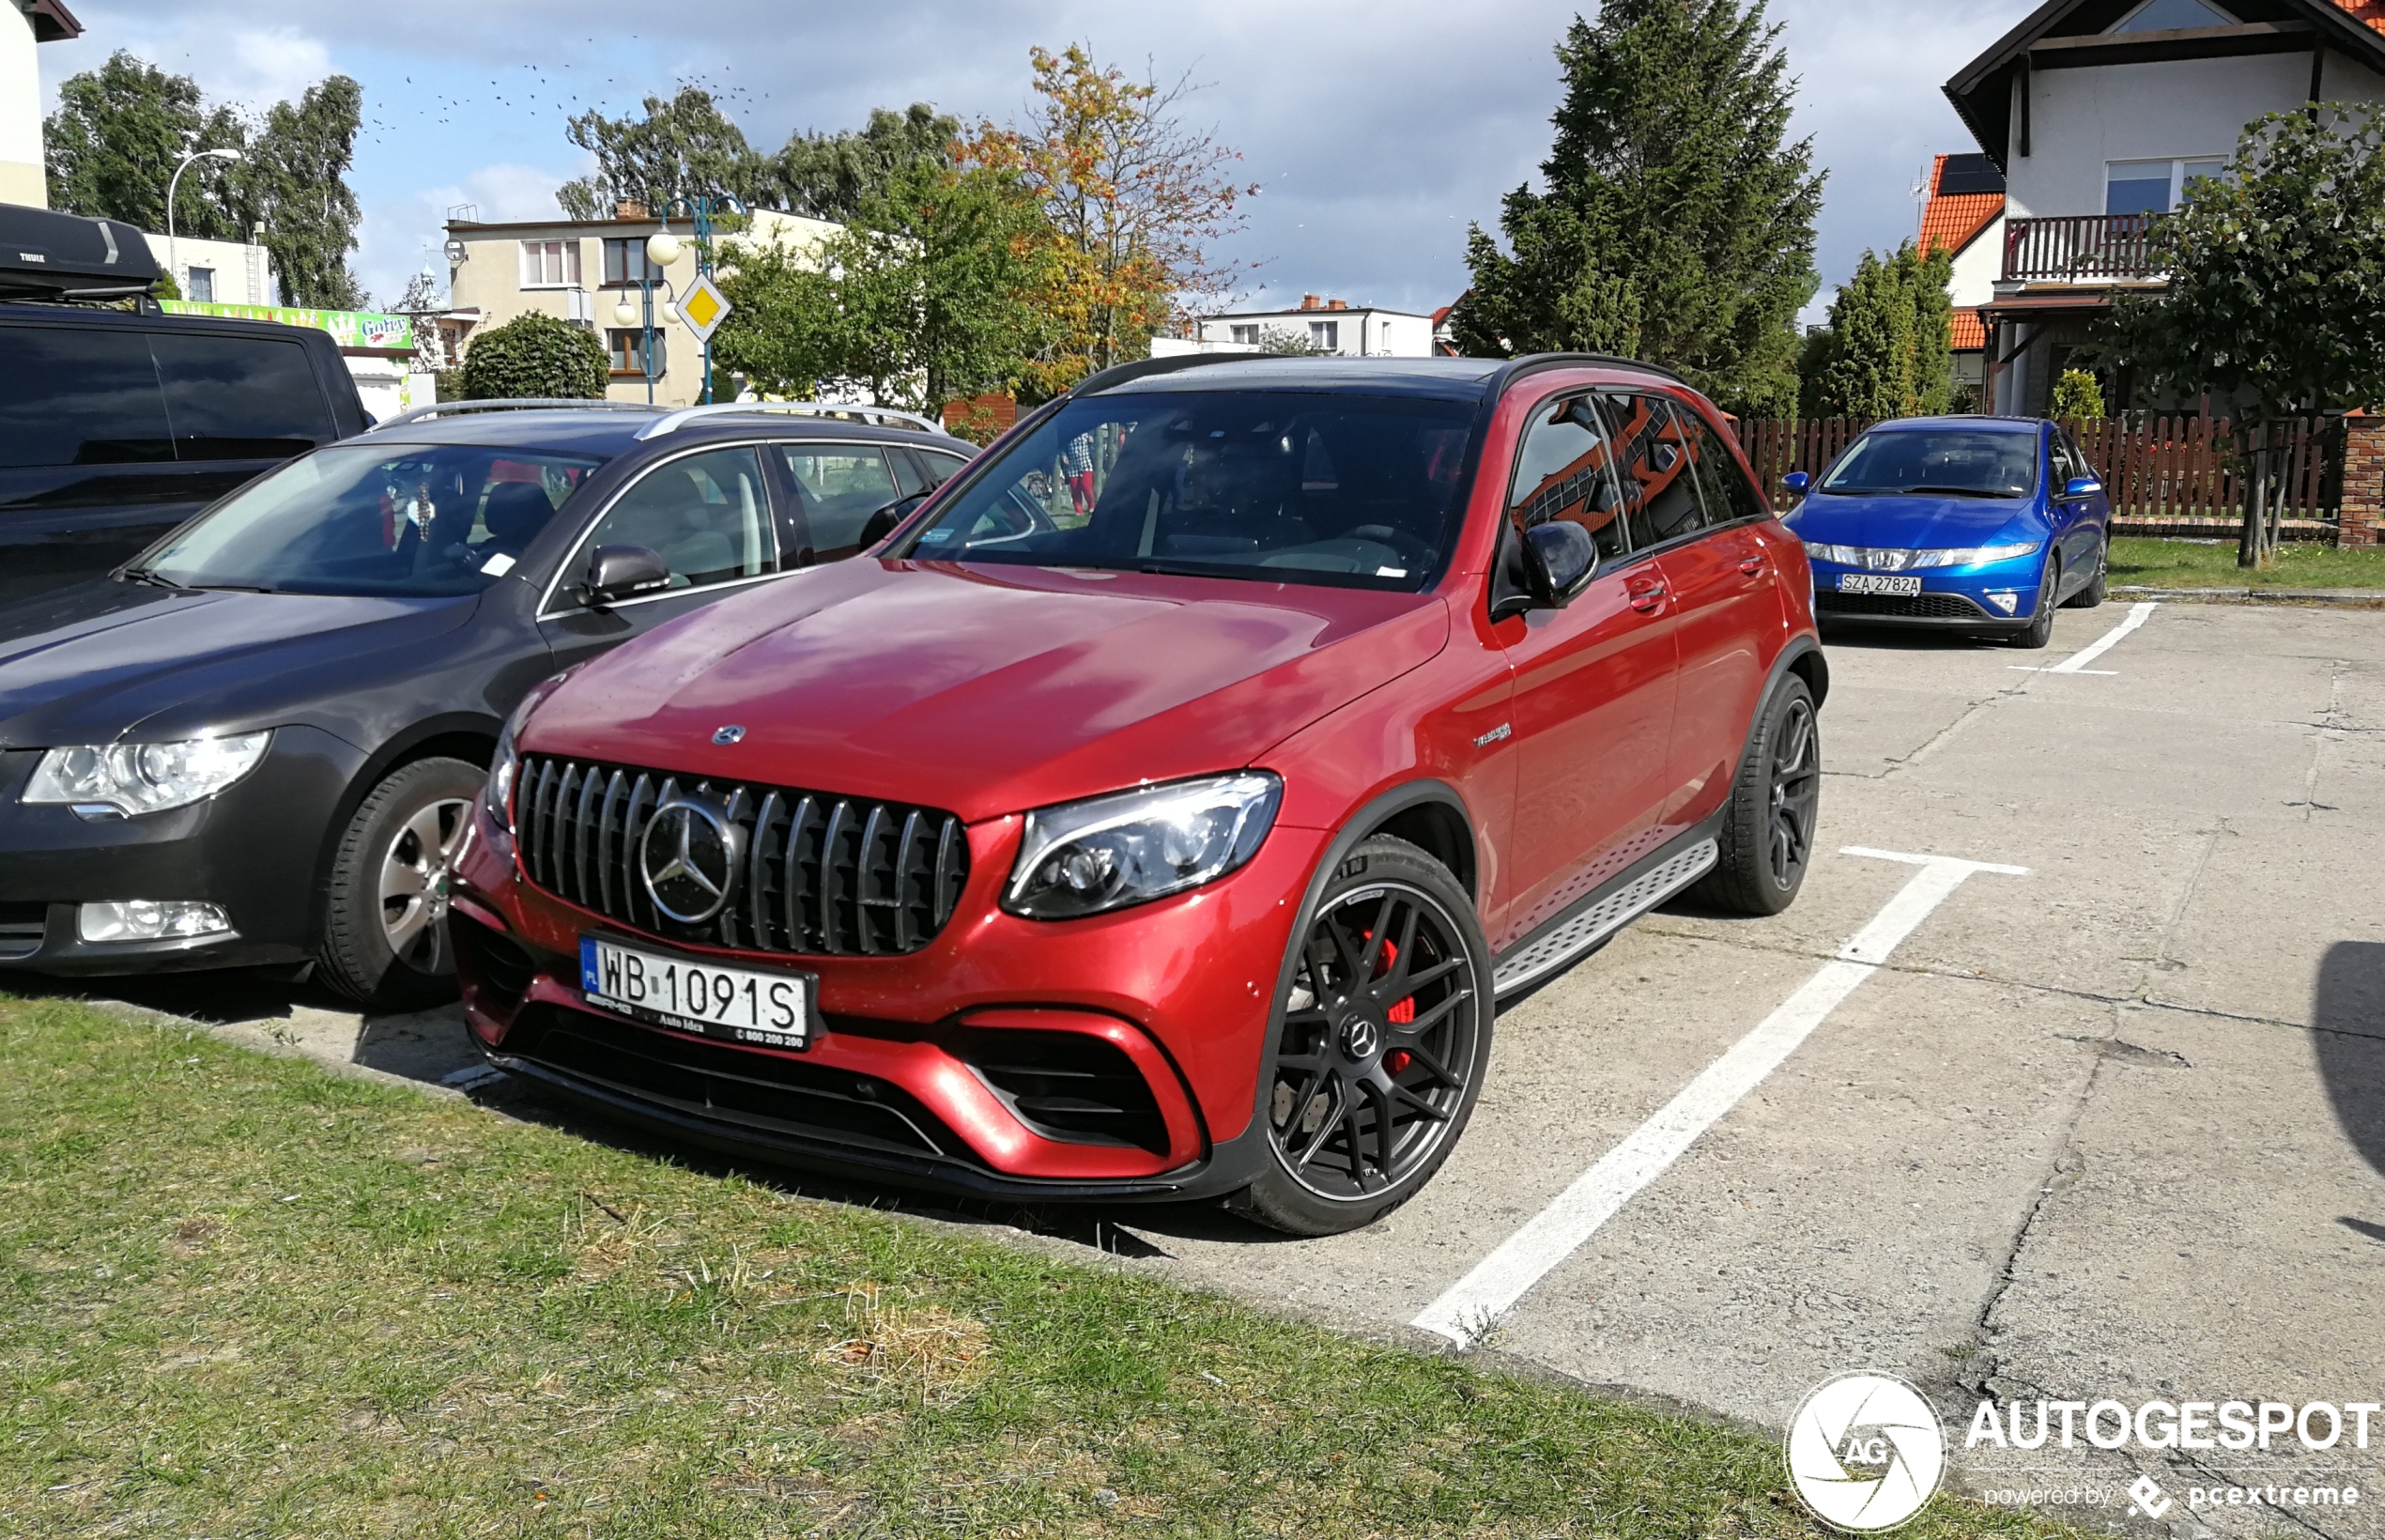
696, 995
1877, 583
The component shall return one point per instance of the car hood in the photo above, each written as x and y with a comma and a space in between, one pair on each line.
1915, 523
986, 690
102, 660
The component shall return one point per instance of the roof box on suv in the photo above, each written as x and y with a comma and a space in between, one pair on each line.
47, 255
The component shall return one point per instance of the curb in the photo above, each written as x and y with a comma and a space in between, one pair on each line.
2345, 598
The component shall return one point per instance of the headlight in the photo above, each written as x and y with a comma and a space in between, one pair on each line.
1131, 847
1899, 558
128, 779
1979, 555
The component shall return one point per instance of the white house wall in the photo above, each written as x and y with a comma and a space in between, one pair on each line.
1375, 333
20, 178
2182, 108
243, 273
1977, 267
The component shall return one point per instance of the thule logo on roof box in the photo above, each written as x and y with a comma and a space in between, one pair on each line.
32, 256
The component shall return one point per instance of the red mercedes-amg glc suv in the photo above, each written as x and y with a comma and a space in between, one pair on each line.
1162, 810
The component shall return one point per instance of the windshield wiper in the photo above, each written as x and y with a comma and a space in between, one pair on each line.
156, 579
1962, 492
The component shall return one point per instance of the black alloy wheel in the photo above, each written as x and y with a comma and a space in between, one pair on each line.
1385, 1033
1765, 842
1796, 793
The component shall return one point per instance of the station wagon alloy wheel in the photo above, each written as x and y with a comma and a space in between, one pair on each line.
1378, 1045
414, 886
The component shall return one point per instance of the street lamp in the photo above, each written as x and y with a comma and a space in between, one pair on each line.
173, 262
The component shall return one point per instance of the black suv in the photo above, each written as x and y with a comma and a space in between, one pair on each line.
258, 743
117, 424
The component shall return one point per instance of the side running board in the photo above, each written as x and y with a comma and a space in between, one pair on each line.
1594, 922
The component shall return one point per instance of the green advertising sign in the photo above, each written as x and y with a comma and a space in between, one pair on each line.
349, 327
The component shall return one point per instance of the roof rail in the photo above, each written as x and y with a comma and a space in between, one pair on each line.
525, 403
882, 416
1119, 374
1534, 363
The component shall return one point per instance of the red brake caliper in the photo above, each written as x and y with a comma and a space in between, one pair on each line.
1401, 1013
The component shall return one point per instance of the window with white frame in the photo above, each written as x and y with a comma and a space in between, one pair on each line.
1247, 334
1325, 335
203, 285
550, 264
2154, 187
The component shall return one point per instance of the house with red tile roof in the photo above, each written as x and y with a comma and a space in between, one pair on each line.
1965, 217
2099, 114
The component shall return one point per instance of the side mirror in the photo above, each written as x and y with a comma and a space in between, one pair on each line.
2082, 486
1796, 481
622, 572
882, 523
1559, 559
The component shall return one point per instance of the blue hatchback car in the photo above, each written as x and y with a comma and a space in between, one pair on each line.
1979, 524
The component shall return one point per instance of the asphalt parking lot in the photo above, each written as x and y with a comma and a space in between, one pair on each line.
2108, 1126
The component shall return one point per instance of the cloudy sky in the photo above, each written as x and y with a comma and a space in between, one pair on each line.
1377, 130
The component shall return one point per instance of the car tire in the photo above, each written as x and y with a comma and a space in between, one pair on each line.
1765, 843
1365, 1091
385, 941
2040, 631
2092, 595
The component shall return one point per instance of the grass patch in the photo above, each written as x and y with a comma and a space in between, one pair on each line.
243, 1296
2186, 563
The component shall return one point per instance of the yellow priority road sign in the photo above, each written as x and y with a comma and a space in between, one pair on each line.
703, 307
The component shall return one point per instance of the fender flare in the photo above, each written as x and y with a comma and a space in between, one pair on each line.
1799, 649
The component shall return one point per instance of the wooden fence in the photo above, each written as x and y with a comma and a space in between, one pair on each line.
2154, 469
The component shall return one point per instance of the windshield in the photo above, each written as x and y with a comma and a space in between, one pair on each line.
1278, 486
419, 521
1963, 462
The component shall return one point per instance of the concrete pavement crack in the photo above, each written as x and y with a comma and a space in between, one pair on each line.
2059, 1172
2142, 1001
2225, 1478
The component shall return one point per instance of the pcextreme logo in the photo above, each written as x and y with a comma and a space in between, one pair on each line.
1864, 1452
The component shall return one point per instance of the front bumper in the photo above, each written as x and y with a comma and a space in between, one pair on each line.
255, 848
1951, 598
937, 1069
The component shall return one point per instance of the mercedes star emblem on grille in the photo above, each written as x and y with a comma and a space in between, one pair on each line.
730, 734
688, 857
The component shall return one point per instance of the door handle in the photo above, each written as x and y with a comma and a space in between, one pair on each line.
1646, 600
1752, 565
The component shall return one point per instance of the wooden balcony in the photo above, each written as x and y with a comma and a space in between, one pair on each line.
2079, 249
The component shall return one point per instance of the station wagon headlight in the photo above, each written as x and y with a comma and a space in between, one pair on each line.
1131, 847
122, 779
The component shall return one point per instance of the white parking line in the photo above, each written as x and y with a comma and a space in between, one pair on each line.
1498, 1280
2077, 662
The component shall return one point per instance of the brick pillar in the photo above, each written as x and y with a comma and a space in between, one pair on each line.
2363, 481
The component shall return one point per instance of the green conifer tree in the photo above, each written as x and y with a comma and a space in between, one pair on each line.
1677, 220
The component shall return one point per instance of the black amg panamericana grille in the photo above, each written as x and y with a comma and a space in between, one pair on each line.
1918, 607
819, 873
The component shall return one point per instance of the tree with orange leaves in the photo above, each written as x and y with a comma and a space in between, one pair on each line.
1133, 200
